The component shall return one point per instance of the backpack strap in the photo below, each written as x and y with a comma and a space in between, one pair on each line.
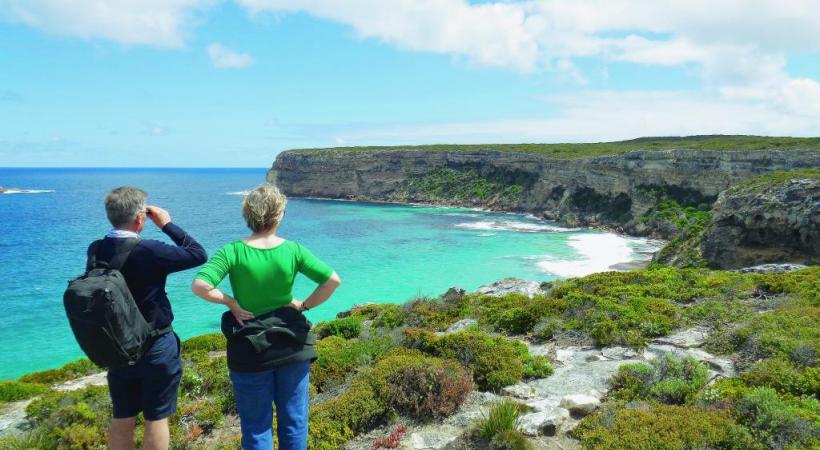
91, 263
122, 253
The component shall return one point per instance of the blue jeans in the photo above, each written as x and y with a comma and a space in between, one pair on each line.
287, 387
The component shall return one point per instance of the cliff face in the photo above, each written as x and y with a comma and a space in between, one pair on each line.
613, 191
752, 225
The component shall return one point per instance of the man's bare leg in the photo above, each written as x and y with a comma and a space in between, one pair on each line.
121, 435
157, 436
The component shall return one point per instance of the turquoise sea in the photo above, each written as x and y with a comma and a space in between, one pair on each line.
383, 252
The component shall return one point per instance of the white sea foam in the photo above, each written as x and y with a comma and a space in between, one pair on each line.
242, 193
26, 191
596, 253
512, 225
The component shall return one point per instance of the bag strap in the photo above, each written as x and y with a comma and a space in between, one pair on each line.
120, 256
122, 253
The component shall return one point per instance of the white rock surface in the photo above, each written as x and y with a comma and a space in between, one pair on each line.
432, 440
580, 405
519, 390
460, 325
543, 422
510, 285
693, 337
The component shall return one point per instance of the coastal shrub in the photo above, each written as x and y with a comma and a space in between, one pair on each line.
495, 360
206, 378
789, 332
73, 420
784, 376
778, 423
70, 371
12, 391
347, 327
458, 185
212, 342
430, 389
339, 357
662, 427
546, 329
666, 379
37, 439
631, 307
433, 314
511, 440
381, 315
367, 402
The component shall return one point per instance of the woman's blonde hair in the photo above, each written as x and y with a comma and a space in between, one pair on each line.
263, 208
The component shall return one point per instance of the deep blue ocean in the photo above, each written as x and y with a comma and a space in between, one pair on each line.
383, 253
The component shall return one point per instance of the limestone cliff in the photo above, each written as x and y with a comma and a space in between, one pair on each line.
609, 190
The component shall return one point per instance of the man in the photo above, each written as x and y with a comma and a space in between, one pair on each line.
151, 385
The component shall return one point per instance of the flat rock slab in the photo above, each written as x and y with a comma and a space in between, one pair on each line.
580, 405
97, 379
693, 337
545, 423
433, 439
511, 285
13, 417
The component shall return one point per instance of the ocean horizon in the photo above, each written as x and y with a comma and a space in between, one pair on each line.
385, 253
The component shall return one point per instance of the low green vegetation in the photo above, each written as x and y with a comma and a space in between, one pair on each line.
388, 360
499, 427
770, 180
12, 391
667, 380
348, 327
70, 371
566, 151
451, 185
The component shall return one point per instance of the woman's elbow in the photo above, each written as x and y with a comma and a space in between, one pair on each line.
334, 281
199, 287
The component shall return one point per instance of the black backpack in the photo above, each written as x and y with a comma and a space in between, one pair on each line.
105, 320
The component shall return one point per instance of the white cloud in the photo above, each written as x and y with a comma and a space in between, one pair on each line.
149, 22
225, 58
494, 34
606, 116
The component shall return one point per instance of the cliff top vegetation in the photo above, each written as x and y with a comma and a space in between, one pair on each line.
586, 150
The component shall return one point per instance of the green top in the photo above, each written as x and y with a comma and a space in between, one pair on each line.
262, 278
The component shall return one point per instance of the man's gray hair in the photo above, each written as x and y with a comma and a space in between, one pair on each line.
123, 204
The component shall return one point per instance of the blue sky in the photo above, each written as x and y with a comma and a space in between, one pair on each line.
231, 83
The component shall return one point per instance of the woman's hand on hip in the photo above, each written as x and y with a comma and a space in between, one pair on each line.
240, 314
295, 304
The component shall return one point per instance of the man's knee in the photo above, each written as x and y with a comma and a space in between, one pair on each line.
125, 425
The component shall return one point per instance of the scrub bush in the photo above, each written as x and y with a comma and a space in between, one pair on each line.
546, 329
495, 360
666, 379
778, 423
339, 357
12, 391
70, 371
73, 420
431, 391
348, 328
383, 315
213, 342
662, 427
500, 426
433, 314
784, 376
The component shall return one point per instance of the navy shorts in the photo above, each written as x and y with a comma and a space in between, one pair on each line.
150, 386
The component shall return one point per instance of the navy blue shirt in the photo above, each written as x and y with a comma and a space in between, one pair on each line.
148, 266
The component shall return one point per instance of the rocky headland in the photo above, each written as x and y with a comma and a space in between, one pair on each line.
635, 187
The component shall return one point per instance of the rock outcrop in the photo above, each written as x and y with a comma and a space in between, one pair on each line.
775, 222
612, 191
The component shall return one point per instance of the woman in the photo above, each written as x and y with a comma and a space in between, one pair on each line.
269, 340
